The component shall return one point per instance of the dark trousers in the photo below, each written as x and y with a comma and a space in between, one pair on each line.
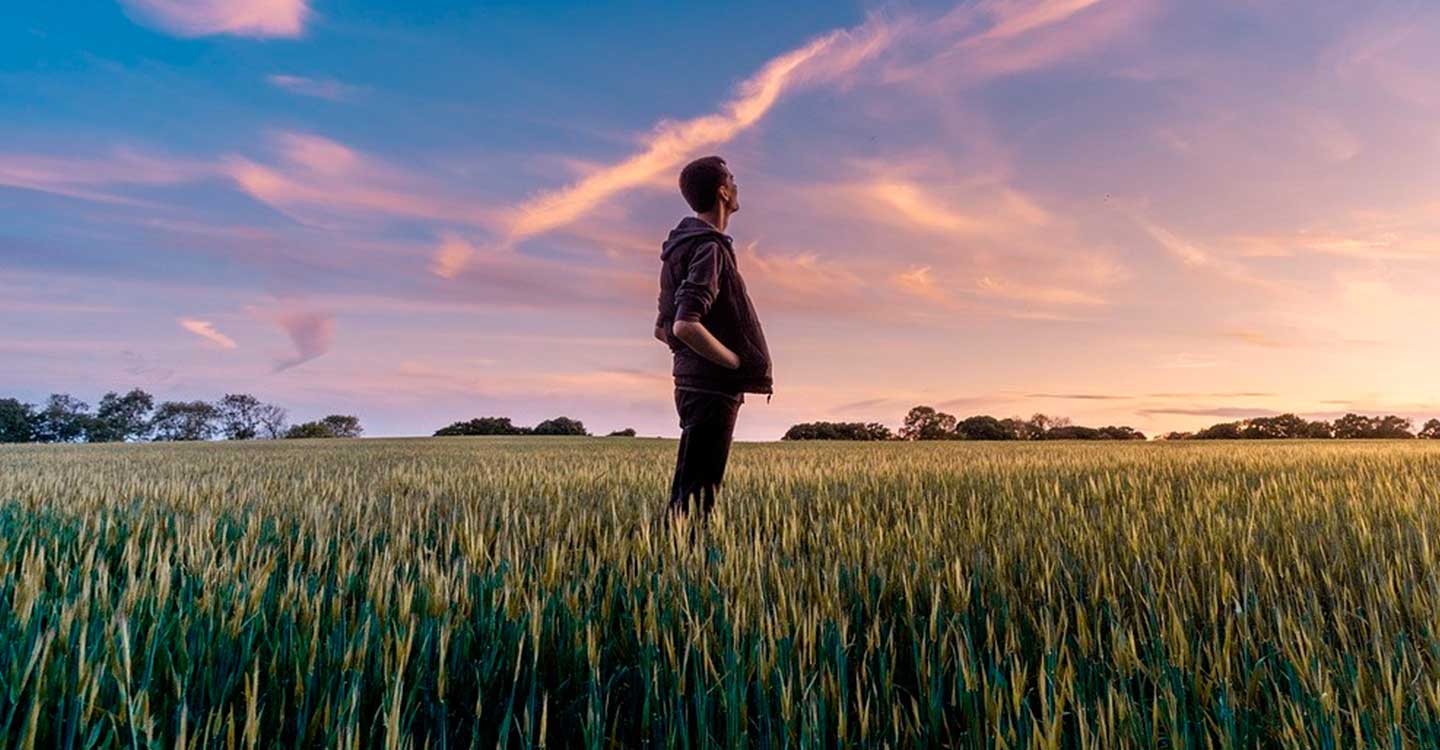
707, 425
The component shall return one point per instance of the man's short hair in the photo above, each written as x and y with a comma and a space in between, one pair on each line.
700, 182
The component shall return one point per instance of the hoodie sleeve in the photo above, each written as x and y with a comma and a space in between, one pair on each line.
697, 291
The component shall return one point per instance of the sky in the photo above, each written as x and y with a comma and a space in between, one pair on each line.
1156, 213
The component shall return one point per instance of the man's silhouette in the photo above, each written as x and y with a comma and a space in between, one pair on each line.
711, 327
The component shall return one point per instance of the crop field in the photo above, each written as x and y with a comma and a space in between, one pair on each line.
528, 592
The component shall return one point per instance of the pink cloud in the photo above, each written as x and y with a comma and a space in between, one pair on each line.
316, 88
252, 18
451, 257
311, 332
317, 181
205, 330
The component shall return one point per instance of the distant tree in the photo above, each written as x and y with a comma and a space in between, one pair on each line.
481, 426
309, 430
924, 423
560, 426
184, 420
1354, 426
1431, 430
1393, 427
627, 432
1319, 430
239, 416
343, 425
1039, 424
1019, 428
272, 421
1282, 427
121, 418
1073, 432
838, 431
1177, 436
1222, 431
17, 421
65, 419
983, 428
1120, 433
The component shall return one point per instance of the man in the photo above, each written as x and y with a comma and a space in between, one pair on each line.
713, 332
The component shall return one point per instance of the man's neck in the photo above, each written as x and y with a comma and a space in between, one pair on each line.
717, 218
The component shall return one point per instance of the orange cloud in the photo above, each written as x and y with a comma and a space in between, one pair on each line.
205, 330
252, 18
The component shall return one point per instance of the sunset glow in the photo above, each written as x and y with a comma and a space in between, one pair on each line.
1155, 213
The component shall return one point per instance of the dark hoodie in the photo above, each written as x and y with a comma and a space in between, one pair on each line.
699, 280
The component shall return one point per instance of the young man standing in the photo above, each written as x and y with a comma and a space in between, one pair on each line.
713, 332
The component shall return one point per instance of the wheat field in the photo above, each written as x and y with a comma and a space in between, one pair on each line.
492, 592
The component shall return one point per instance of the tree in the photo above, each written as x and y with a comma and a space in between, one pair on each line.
1393, 427
309, 430
1040, 424
1431, 430
343, 425
17, 421
924, 423
122, 418
1222, 431
1177, 436
1121, 432
983, 428
184, 420
1353, 426
239, 416
627, 432
838, 431
333, 426
1282, 427
560, 426
65, 419
272, 420
480, 426
1320, 430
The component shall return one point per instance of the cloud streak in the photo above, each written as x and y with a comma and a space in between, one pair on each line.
316, 88
248, 18
672, 142
205, 330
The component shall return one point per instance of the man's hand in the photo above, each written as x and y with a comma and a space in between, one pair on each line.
698, 337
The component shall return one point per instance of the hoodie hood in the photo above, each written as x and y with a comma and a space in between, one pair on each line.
689, 229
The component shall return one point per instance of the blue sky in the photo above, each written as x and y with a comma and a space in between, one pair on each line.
1140, 212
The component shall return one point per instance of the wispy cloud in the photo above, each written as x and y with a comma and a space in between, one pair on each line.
251, 18
311, 332
1228, 412
317, 88
205, 330
673, 142
451, 257
319, 181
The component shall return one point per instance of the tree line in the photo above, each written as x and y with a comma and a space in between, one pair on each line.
135, 416
927, 423
1292, 427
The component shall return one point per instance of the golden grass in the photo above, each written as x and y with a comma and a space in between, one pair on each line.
479, 592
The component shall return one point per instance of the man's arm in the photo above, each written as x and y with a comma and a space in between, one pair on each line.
660, 334
693, 298
698, 337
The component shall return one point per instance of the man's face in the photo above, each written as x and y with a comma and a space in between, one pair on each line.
730, 193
